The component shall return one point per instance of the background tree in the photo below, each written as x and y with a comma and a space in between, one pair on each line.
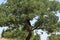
20, 12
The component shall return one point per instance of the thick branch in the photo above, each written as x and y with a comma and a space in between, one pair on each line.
35, 28
28, 25
38, 25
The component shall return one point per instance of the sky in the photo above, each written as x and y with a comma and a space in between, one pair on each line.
32, 22
1, 1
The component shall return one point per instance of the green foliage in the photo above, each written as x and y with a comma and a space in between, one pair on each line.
36, 37
17, 11
15, 34
20, 12
54, 37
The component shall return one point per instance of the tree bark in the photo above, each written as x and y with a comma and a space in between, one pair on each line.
28, 28
29, 36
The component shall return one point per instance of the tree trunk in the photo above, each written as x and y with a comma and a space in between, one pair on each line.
29, 36
29, 29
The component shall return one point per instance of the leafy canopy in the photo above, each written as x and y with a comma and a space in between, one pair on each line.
17, 12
